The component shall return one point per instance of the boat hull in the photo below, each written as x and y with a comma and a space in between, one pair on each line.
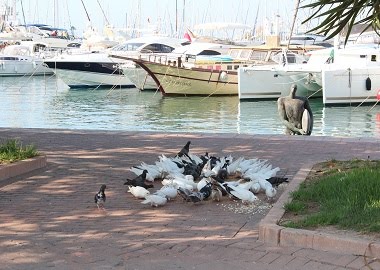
173, 80
346, 86
140, 78
26, 67
272, 83
89, 74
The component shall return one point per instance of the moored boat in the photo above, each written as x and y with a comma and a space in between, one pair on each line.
20, 60
209, 75
95, 68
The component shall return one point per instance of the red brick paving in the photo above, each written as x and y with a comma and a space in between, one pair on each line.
49, 219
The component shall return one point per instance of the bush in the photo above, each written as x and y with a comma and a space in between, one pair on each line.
13, 150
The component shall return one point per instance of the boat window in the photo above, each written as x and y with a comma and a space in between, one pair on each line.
209, 52
8, 58
236, 67
229, 67
257, 55
127, 47
373, 58
234, 53
244, 54
157, 48
291, 58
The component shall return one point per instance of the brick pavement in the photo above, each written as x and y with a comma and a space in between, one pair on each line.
49, 220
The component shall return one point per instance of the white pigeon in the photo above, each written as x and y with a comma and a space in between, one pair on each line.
244, 195
233, 166
255, 188
270, 192
169, 192
155, 200
264, 184
138, 192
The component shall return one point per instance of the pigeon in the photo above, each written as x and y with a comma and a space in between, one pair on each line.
138, 192
216, 194
275, 181
185, 150
202, 194
169, 192
196, 196
244, 195
100, 197
270, 192
184, 193
255, 188
222, 174
139, 181
154, 200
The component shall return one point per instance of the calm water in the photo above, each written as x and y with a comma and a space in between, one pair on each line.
45, 102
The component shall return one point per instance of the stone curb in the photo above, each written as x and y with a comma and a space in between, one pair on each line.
272, 234
21, 167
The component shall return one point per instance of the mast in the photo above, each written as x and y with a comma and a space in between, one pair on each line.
294, 21
176, 17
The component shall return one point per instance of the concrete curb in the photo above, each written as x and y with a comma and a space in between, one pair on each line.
21, 167
272, 234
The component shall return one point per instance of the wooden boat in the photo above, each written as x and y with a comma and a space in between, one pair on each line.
208, 75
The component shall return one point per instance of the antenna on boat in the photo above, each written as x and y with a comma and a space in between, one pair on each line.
294, 21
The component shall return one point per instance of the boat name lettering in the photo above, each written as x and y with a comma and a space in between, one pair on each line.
179, 83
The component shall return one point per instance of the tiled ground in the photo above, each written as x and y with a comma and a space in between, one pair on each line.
48, 218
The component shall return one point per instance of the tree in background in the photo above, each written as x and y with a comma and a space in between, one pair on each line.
339, 16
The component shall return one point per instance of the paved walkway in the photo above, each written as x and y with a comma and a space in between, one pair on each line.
48, 218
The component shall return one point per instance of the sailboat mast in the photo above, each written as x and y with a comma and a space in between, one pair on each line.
176, 17
23, 13
294, 21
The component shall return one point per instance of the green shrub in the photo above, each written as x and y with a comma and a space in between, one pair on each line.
13, 150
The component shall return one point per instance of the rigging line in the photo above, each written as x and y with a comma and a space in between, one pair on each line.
88, 16
361, 103
373, 105
105, 17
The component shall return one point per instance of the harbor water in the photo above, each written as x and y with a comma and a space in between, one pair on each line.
46, 102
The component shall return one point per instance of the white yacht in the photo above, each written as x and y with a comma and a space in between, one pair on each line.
353, 77
274, 81
339, 75
95, 68
23, 60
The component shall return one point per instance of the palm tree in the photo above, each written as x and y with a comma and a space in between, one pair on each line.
341, 15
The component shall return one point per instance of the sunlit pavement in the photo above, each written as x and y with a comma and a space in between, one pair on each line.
48, 218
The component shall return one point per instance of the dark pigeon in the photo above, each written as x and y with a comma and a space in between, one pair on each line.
100, 197
185, 150
275, 181
139, 181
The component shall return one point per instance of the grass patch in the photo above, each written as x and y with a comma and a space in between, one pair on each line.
345, 194
13, 150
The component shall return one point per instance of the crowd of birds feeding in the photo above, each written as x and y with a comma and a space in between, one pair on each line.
199, 178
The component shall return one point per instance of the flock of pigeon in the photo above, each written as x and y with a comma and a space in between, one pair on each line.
198, 178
